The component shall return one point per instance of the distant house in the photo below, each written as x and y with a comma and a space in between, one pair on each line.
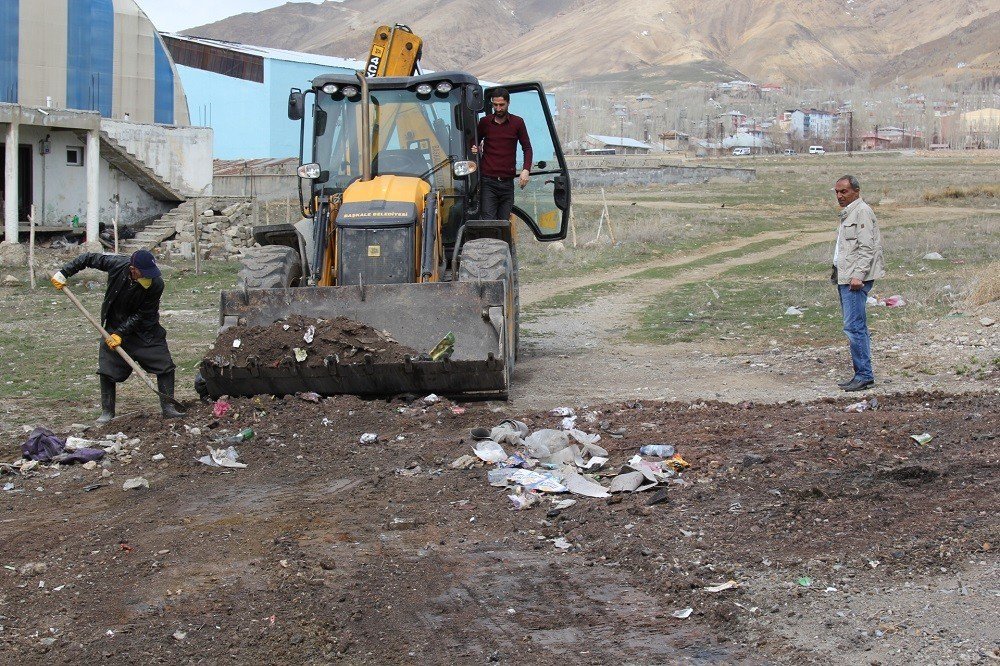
599, 144
735, 119
874, 142
771, 88
812, 124
674, 140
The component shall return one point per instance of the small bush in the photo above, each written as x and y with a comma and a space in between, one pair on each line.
989, 190
987, 285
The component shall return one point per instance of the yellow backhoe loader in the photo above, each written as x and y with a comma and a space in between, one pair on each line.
392, 235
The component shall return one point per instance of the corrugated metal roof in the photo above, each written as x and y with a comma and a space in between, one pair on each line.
274, 54
619, 141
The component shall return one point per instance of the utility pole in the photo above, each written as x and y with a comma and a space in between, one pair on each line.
850, 124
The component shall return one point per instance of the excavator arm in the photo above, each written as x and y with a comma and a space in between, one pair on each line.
395, 52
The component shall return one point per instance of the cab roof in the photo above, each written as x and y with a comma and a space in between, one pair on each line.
397, 82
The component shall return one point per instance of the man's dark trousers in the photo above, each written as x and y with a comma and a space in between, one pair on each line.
496, 197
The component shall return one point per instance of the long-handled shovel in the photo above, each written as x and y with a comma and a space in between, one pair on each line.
121, 352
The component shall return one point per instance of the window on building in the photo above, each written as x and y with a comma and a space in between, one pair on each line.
74, 156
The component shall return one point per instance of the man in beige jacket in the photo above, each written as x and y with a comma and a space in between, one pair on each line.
857, 263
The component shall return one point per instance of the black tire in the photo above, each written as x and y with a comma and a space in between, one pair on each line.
270, 267
488, 260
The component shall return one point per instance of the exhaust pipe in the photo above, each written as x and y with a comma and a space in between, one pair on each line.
366, 133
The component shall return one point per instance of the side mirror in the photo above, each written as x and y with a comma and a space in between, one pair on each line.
463, 168
309, 171
541, 165
296, 104
474, 98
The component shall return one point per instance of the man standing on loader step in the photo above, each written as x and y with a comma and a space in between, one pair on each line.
500, 132
131, 315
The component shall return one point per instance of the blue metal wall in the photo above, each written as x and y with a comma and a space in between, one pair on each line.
163, 90
8, 50
90, 55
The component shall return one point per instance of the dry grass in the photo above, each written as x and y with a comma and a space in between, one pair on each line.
989, 190
986, 287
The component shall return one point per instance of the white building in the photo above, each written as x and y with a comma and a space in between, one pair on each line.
812, 124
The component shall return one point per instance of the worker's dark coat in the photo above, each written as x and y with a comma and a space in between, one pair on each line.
131, 311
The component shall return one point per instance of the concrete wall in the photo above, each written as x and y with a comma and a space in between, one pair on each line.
180, 155
59, 190
661, 175
236, 110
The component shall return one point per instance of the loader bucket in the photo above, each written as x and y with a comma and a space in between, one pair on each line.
416, 315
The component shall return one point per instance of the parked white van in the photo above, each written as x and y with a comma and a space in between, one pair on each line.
741, 150
817, 150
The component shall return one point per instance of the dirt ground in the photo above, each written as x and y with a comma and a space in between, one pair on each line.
848, 541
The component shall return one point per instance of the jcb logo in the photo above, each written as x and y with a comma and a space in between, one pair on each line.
374, 59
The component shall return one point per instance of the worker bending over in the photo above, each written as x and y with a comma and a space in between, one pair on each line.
130, 314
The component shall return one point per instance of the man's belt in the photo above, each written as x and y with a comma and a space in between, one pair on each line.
499, 178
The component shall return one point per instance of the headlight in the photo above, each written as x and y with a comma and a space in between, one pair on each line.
330, 88
351, 91
310, 171
444, 87
464, 167
424, 89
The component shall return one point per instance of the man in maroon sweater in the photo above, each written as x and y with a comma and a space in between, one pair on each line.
499, 134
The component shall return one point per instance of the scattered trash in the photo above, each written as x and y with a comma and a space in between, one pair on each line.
804, 581
925, 438
895, 301
221, 408
683, 614
545, 482
369, 438
310, 334
464, 461
858, 407
458, 411
676, 463
443, 349
562, 411
431, 399
661, 450
137, 482
158, 457
44, 446
562, 543
728, 585
987, 321
242, 436
578, 484
627, 482
8, 487
300, 354
559, 505
236, 343
523, 500
179, 635
794, 311
489, 451
222, 458
933, 256
93, 486
309, 396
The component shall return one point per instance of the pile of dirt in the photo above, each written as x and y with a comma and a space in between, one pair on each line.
276, 345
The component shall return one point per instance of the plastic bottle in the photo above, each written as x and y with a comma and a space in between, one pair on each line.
242, 436
661, 450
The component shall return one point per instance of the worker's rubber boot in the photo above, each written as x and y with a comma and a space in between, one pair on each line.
165, 384
107, 400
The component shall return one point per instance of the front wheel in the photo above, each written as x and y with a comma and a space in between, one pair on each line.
270, 267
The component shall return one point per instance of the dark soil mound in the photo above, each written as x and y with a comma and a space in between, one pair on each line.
275, 345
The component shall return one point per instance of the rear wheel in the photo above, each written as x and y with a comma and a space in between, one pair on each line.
488, 260
270, 267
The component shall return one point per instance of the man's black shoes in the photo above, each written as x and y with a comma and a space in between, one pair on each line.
859, 385
846, 382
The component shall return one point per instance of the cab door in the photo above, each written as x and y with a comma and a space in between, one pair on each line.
544, 203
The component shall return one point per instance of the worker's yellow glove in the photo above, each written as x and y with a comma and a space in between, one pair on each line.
113, 340
58, 280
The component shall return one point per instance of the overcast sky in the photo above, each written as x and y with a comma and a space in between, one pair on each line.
176, 15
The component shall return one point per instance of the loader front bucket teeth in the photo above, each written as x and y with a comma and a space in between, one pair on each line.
415, 315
